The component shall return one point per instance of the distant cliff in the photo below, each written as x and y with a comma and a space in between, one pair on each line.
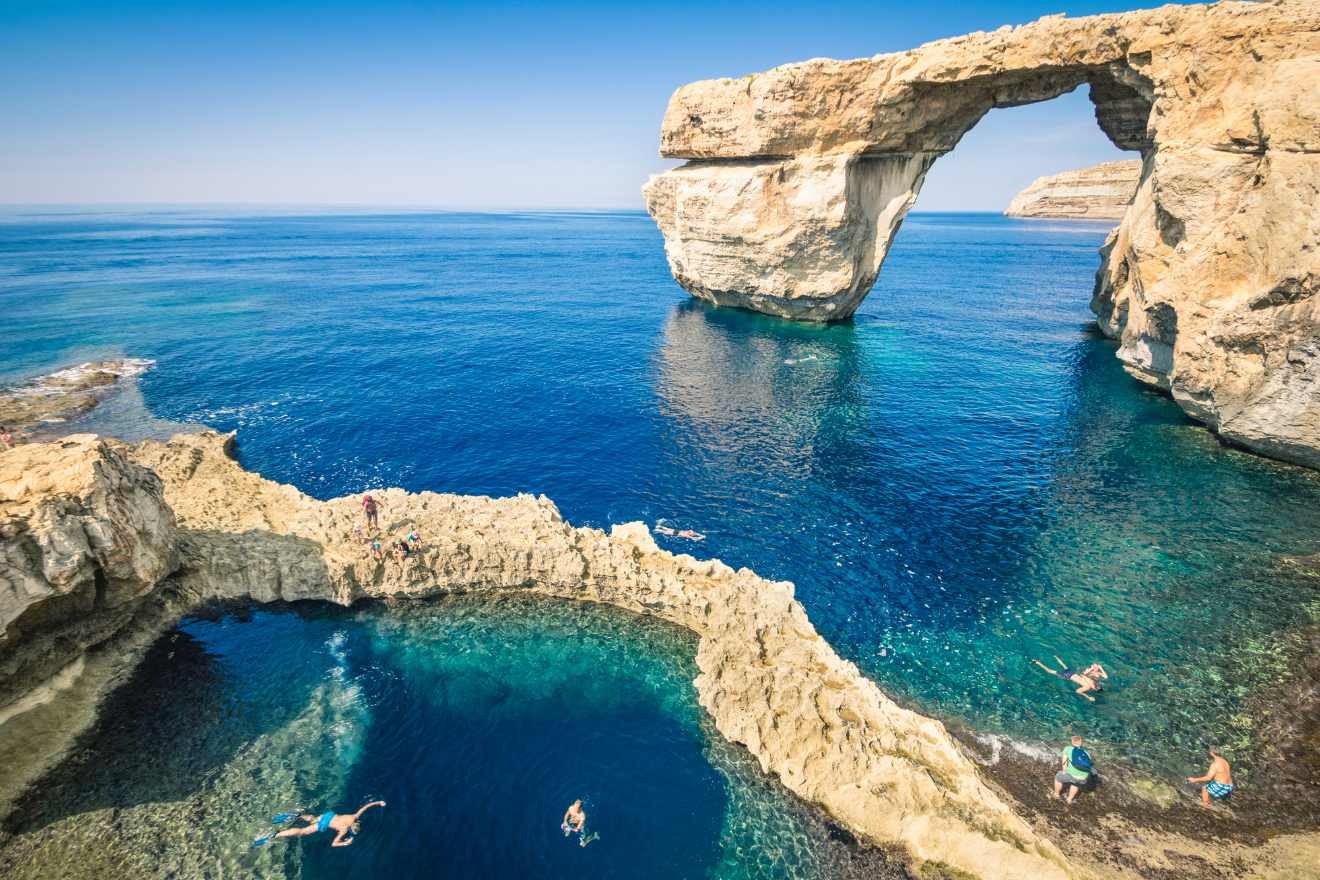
1099, 192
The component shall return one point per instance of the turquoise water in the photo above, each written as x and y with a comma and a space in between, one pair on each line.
961, 479
477, 721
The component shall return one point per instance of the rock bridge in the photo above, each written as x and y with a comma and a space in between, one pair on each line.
798, 178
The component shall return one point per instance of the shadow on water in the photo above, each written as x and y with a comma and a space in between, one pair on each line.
158, 738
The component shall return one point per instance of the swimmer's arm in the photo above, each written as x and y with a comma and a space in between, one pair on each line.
340, 841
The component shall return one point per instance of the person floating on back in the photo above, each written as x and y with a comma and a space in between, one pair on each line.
1075, 771
345, 826
575, 822
1218, 779
370, 506
1087, 680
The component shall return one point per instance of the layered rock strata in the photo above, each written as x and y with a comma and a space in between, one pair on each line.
1097, 192
115, 526
798, 178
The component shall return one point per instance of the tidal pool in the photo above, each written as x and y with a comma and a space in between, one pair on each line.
477, 720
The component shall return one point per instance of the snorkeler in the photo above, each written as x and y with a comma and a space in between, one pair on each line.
345, 826
1087, 680
677, 533
575, 822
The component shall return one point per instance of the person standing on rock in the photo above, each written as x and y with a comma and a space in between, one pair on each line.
370, 506
1218, 779
1075, 771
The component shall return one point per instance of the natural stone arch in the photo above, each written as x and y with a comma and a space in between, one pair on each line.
799, 177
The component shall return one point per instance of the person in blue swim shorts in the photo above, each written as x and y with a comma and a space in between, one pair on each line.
1218, 779
345, 826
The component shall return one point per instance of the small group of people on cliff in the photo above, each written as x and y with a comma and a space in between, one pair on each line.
401, 549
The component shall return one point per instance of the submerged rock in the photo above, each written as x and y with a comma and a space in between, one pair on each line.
1097, 192
65, 394
799, 177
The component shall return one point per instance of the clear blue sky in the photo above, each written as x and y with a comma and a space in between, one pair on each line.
443, 104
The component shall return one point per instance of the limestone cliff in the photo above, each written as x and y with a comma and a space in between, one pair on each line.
184, 519
799, 177
1097, 192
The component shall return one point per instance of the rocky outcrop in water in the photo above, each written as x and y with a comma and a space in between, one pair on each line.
799, 177
1097, 192
171, 526
58, 397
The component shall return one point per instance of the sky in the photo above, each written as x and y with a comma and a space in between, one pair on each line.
458, 105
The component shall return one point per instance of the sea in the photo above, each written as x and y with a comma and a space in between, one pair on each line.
959, 481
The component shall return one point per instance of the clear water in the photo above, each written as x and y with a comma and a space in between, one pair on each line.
477, 721
961, 479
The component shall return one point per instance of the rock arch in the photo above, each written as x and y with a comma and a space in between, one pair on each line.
798, 178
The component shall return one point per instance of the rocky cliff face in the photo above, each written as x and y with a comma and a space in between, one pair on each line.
1098, 192
173, 525
799, 177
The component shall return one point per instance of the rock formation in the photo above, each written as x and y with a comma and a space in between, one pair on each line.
64, 394
92, 527
1097, 192
799, 177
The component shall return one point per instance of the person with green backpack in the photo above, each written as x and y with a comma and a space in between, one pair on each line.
1075, 772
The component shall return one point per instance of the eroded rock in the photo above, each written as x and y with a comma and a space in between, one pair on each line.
799, 177
1097, 192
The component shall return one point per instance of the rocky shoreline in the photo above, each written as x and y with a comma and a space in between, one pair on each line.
40, 405
106, 544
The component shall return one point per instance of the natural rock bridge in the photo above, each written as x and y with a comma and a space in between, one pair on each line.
799, 178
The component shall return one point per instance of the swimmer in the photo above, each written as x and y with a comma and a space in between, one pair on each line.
1218, 779
370, 506
346, 827
675, 533
801, 360
575, 818
1087, 680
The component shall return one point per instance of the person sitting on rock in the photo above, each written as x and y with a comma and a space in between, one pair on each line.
1075, 771
1087, 680
377, 551
402, 550
415, 540
6, 438
1218, 779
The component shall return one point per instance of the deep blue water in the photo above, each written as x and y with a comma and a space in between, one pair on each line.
962, 479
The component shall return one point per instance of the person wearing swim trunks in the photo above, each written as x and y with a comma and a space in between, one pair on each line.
1087, 680
370, 506
1218, 779
1074, 772
345, 826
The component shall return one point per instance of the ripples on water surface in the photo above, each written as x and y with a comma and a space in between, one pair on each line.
961, 479
477, 721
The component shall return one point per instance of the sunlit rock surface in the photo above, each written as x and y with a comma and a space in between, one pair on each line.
1097, 192
798, 178
767, 678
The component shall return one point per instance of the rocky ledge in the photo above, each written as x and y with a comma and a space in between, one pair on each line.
103, 545
102, 541
1097, 192
799, 177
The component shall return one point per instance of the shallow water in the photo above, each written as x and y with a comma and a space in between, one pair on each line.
961, 479
478, 721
